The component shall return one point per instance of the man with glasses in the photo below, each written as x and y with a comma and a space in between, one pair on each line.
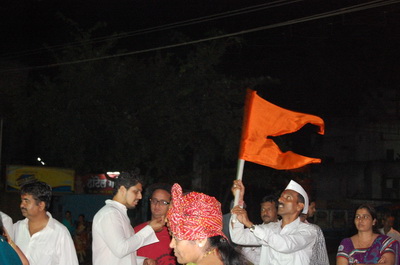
114, 240
160, 252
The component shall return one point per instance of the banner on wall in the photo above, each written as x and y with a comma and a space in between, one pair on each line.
98, 183
60, 179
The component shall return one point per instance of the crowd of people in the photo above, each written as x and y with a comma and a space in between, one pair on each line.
80, 231
189, 228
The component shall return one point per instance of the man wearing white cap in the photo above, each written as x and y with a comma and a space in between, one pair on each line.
288, 241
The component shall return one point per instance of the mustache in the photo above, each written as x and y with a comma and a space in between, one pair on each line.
23, 208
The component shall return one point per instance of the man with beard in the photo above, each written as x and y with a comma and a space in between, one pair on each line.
43, 239
114, 240
288, 241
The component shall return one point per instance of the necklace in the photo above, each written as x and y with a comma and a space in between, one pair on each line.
205, 255
208, 253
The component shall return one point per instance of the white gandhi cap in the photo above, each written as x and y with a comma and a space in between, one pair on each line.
293, 185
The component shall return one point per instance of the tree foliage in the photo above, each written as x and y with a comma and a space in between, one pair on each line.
170, 113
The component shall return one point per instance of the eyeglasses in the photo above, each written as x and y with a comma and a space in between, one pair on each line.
162, 202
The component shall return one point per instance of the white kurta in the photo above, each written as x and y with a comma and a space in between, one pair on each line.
52, 245
8, 224
392, 233
252, 254
114, 240
291, 245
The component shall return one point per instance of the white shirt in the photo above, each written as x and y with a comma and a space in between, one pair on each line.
291, 245
392, 233
8, 224
252, 254
114, 240
52, 245
320, 253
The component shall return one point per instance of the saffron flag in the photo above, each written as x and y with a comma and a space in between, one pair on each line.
263, 119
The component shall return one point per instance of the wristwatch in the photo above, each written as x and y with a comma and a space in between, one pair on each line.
251, 228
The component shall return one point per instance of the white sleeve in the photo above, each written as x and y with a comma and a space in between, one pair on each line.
114, 236
8, 224
67, 252
286, 243
240, 235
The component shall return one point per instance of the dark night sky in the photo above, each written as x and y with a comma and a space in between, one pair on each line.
326, 60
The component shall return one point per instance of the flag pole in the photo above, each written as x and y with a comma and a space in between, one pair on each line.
239, 176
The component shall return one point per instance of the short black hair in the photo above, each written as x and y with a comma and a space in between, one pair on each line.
386, 214
270, 198
127, 179
40, 191
159, 186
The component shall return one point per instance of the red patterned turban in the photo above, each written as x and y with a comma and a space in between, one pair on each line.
194, 215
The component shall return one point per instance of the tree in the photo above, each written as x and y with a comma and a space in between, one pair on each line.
195, 116
170, 113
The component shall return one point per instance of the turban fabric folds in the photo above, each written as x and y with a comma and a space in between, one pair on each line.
194, 215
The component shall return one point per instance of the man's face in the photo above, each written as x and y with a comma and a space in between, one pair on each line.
288, 203
159, 203
132, 196
388, 222
311, 209
269, 212
30, 207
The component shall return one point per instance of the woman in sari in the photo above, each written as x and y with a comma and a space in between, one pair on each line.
195, 223
367, 246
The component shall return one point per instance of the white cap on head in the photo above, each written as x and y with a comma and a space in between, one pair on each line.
293, 185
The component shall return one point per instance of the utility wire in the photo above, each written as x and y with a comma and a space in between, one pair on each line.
341, 11
173, 25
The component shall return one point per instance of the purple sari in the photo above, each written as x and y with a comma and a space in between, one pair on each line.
382, 244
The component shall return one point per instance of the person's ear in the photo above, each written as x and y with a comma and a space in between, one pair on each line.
122, 190
201, 242
42, 205
300, 206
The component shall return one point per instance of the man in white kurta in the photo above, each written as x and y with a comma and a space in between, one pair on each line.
268, 213
114, 240
43, 240
52, 245
286, 242
387, 229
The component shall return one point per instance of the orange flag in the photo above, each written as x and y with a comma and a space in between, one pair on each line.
263, 119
